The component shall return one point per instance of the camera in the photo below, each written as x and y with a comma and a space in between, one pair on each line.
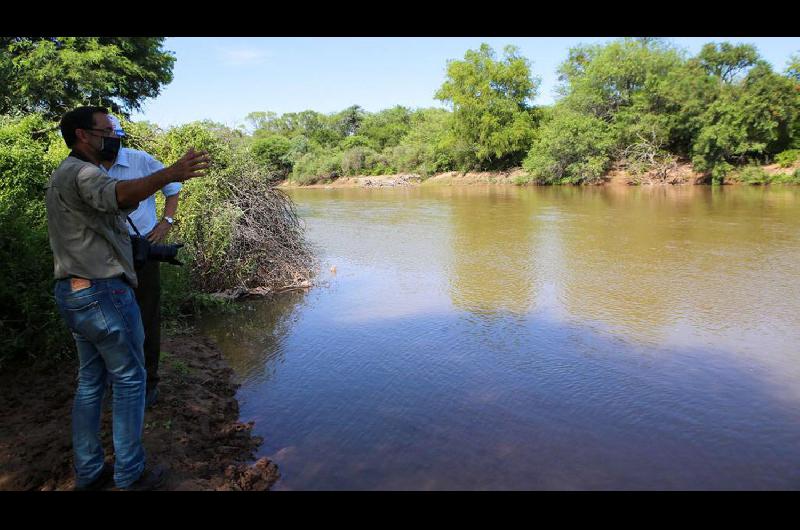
144, 251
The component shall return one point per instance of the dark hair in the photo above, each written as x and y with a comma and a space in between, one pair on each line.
80, 118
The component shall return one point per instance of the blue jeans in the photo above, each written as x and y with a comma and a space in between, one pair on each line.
107, 327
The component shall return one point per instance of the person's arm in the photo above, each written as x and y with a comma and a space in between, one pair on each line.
130, 192
163, 227
171, 206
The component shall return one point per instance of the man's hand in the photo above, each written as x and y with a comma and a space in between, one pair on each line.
192, 164
158, 233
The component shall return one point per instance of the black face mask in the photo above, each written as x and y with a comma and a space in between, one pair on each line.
109, 148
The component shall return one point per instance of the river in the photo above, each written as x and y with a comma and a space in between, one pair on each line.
563, 338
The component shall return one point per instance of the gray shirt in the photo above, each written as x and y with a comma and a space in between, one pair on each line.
86, 225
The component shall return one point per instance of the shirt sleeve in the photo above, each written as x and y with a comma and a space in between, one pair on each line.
97, 189
168, 190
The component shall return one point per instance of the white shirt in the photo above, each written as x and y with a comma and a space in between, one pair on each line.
135, 164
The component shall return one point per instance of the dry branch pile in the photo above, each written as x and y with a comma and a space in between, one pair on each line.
265, 249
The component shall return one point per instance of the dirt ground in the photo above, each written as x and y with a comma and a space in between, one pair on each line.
193, 429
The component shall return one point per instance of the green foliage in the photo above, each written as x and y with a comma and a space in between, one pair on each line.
723, 108
317, 163
726, 61
756, 175
571, 148
786, 178
491, 106
753, 175
386, 128
787, 158
426, 149
793, 68
30, 150
274, 154
54, 74
750, 120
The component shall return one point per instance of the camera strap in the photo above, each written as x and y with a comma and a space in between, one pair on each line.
133, 225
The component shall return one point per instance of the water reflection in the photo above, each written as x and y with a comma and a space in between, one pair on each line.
553, 338
252, 339
494, 232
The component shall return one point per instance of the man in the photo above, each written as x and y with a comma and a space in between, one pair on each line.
132, 164
93, 268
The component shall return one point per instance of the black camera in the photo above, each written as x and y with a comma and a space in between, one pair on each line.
144, 251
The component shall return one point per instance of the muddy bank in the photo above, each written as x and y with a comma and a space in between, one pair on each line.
193, 430
682, 175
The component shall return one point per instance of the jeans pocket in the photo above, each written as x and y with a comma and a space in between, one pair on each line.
89, 321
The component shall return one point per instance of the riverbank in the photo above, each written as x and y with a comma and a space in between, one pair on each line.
193, 430
681, 174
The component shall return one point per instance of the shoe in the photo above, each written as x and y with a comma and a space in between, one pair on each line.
150, 479
151, 398
101, 482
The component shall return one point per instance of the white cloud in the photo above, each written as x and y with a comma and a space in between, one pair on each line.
244, 56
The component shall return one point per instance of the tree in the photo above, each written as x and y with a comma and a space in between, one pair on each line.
726, 61
54, 74
273, 153
793, 68
571, 147
387, 127
348, 121
752, 119
491, 105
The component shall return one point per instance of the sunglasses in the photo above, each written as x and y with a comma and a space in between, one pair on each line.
108, 130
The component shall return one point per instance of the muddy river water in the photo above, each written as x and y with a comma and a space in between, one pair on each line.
532, 338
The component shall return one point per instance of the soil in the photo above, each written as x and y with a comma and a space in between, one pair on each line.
192, 430
681, 174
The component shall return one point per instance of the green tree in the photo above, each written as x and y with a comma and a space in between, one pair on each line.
793, 68
428, 147
491, 106
571, 148
274, 154
750, 120
387, 127
30, 149
54, 74
727, 61
348, 121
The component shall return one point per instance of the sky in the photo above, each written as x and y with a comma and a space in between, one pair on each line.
225, 78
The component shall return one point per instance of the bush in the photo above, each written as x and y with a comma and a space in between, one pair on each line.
317, 164
787, 158
756, 175
30, 149
274, 154
786, 178
753, 175
571, 148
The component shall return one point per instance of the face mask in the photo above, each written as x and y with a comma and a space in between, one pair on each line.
109, 148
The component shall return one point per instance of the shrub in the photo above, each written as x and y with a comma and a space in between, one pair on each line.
571, 148
753, 175
786, 178
787, 158
274, 154
30, 149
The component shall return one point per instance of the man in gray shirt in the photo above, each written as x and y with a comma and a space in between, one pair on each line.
93, 267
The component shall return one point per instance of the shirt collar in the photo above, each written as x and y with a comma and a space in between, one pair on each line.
122, 158
79, 156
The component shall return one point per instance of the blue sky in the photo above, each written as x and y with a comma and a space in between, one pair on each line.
225, 78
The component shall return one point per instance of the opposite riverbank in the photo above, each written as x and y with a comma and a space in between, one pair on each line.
682, 174
193, 430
